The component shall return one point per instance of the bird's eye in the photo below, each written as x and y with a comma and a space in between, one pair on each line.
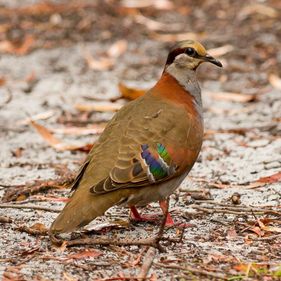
190, 51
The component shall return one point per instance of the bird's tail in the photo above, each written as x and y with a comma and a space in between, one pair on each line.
83, 208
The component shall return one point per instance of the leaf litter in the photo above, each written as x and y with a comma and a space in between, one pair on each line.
227, 240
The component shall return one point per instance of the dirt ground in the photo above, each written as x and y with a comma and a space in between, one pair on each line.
61, 60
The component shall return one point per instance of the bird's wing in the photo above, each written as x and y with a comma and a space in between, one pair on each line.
138, 152
149, 165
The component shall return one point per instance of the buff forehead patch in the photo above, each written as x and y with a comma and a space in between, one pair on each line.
193, 44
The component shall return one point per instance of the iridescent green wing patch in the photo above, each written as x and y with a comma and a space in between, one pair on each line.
163, 153
159, 165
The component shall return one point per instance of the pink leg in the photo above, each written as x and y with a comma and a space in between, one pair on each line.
169, 220
136, 216
165, 208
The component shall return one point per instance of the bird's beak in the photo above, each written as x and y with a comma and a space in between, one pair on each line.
212, 60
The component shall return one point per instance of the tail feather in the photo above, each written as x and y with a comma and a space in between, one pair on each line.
82, 208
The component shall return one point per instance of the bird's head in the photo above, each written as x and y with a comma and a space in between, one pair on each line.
189, 54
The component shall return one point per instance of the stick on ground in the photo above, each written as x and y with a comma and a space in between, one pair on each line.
147, 263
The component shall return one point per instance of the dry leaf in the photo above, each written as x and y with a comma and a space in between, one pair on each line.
67, 277
258, 9
102, 63
39, 9
85, 254
24, 48
35, 229
271, 179
155, 25
41, 116
229, 96
56, 143
46, 134
257, 230
176, 36
269, 228
40, 227
130, 93
80, 131
256, 269
163, 4
232, 234
241, 267
102, 106
275, 81
44, 8
117, 49
247, 186
2, 81
238, 131
272, 229
158, 4
12, 273
218, 52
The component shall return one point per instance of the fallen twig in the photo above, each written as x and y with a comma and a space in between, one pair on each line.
23, 191
216, 275
117, 242
151, 242
267, 238
250, 185
220, 185
235, 211
147, 263
29, 206
223, 208
102, 107
41, 116
239, 131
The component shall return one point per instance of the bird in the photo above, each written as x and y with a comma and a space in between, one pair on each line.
147, 148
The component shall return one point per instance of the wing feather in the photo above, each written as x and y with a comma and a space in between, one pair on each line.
133, 150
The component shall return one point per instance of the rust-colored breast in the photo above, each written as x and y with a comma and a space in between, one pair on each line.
188, 134
169, 89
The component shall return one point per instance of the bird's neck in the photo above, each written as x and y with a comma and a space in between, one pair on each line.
170, 89
187, 79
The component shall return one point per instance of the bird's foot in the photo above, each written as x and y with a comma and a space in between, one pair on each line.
135, 216
171, 223
169, 220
